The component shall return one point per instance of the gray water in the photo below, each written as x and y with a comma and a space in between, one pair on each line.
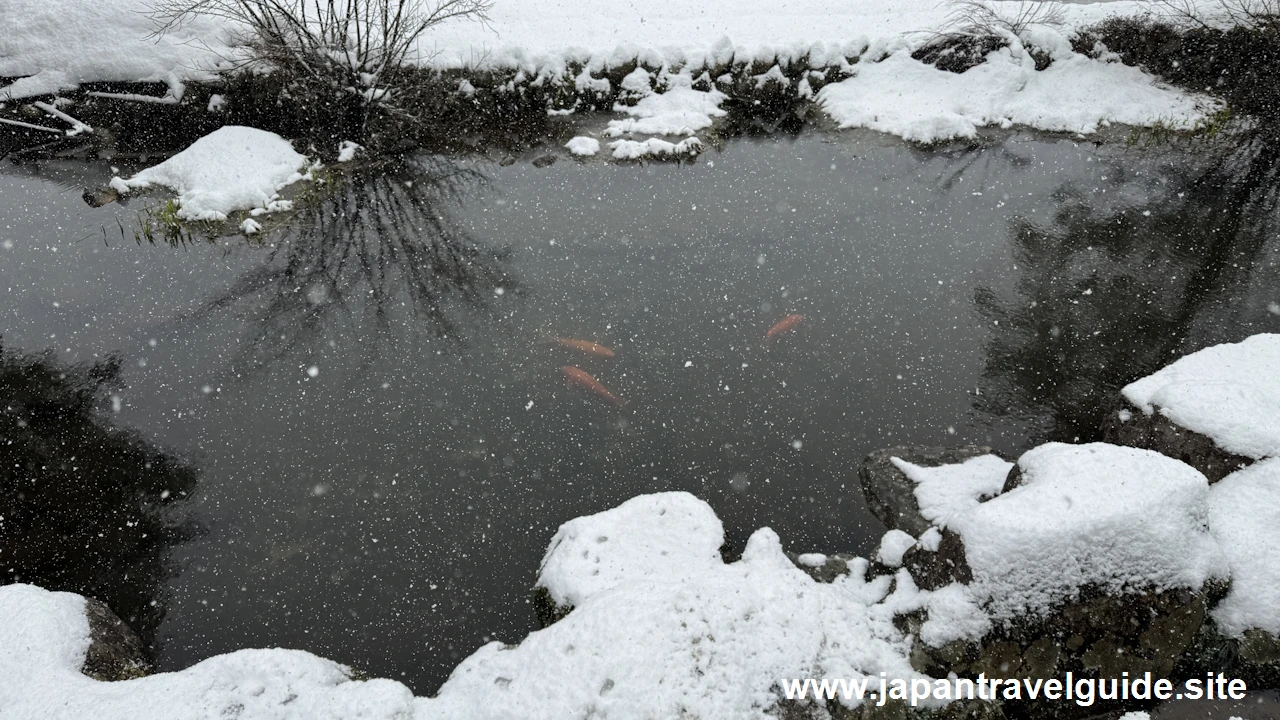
383, 439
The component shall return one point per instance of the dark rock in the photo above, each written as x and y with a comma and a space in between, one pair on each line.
1095, 635
115, 651
546, 610
932, 570
544, 161
1159, 433
835, 566
99, 196
890, 494
507, 161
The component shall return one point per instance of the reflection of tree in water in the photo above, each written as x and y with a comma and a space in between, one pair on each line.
85, 507
1108, 295
378, 249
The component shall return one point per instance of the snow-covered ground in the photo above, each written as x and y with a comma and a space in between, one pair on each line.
59, 45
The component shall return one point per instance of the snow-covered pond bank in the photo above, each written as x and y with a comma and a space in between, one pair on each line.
380, 495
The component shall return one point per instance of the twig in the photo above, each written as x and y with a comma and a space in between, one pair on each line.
77, 127
29, 126
167, 99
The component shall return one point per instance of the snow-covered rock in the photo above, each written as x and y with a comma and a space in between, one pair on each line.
583, 146
666, 629
232, 168
1244, 515
891, 494
1114, 518
665, 537
1229, 393
45, 636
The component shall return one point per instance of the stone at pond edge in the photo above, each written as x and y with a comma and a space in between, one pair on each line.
544, 161
1096, 635
115, 651
835, 566
948, 564
890, 494
1135, 428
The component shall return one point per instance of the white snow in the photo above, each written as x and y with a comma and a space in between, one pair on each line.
680, 110
951, 491
1120, 518
59, 45
954, 614
654, 147
664, 632
919, 102
893, 546
1244, 515
661, 536
347, 150
583, 146
250, 227
1229, 393
812, 559
232, 168
42, 646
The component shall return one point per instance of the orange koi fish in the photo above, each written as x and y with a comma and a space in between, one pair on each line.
584, 346
785, 325
573, 377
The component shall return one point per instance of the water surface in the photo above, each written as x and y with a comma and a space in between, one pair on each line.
383, 441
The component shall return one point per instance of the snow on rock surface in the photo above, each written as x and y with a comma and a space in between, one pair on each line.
665, 536
682, 634
949, 491
680, 110
893, 546
45, 635
905, 97
1118, 518
1244, 515
1229, 393
583, 146
232, 168
654, 147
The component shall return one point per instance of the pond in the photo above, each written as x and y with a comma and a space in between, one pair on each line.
368, 410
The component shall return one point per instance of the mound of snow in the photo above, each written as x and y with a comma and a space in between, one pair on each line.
1229, 393
655, 147
681, 634
916, 101
1244, 514
583, 146
232, 168
1118, 518
666, 536
893, 546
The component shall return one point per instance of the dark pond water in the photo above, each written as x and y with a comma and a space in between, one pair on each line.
376, 443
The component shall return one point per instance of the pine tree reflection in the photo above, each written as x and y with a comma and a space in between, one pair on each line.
1109, 294
85, 507
378, 251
